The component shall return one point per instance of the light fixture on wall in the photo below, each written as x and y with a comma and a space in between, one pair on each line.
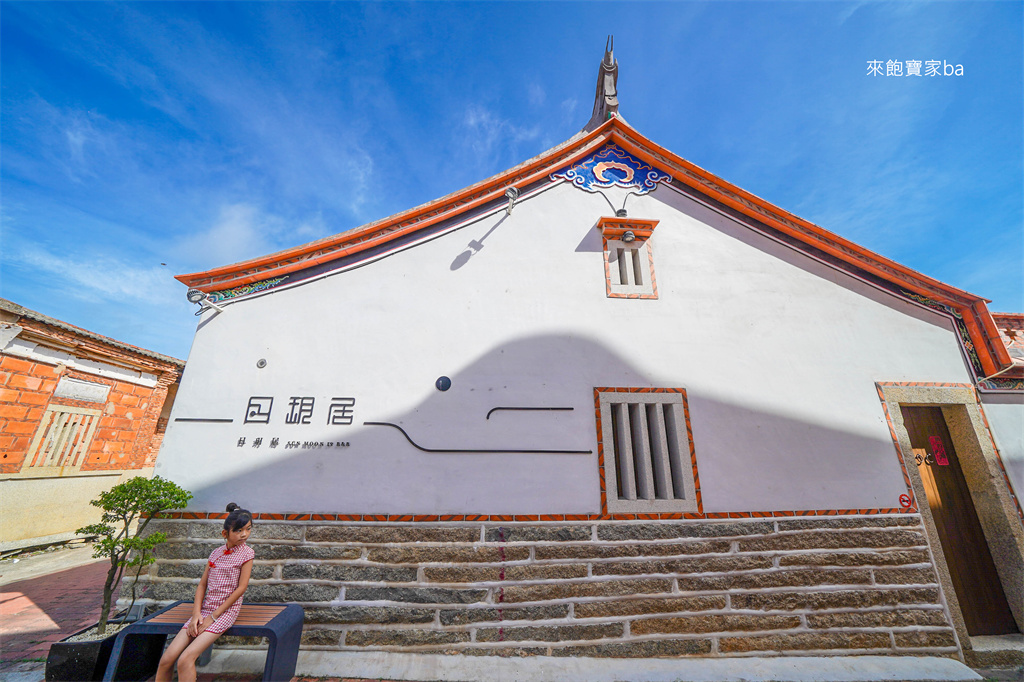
512, 194
203, 299
628, 236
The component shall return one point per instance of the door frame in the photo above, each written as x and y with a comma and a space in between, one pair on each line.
986, 478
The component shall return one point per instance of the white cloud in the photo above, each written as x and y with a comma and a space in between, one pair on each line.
535, 95
273, 126
568, 107
242, 231
489, 136
95, 277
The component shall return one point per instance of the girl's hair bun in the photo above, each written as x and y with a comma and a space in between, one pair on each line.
238, 518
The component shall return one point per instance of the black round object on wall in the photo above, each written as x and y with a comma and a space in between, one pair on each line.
443, 383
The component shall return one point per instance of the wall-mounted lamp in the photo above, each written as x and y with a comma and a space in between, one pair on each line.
203, 299
513, 194
620, 213
628, 236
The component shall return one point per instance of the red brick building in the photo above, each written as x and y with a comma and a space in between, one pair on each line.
79, 412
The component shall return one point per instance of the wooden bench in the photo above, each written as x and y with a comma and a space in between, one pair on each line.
281, 624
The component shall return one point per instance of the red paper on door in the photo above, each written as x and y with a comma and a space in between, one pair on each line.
938, 450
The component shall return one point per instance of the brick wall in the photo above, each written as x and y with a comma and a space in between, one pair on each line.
25, 388
126, 436
839, 585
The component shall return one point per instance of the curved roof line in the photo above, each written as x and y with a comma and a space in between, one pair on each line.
984, 335
390, 228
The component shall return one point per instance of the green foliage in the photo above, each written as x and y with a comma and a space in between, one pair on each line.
127, 510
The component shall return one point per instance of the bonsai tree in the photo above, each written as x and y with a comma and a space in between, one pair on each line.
127, 510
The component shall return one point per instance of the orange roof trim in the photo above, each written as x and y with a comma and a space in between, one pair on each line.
616, 228
984, 336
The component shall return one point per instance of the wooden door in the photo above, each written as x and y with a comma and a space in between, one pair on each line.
971, 568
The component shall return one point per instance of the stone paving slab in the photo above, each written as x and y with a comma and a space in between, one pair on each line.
418, 667
39, 611
44, 562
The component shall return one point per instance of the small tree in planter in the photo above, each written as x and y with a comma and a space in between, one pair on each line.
136, 501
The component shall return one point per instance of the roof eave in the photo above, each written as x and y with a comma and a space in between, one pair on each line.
991, 354
384, 230
22, 311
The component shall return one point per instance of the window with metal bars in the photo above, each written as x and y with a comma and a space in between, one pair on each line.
62, 440
647, 457
630, 272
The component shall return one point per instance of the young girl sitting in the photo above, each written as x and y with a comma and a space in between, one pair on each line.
218, 598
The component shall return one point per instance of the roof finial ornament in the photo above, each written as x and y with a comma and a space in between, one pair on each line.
606, 101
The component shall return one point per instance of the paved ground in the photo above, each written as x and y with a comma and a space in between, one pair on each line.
47, 596
50, 595
43, 599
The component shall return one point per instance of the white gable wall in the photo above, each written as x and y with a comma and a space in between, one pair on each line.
779, 355
1005, 414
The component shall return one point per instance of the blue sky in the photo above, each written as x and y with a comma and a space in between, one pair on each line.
194, 135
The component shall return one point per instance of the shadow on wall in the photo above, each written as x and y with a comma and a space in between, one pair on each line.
475, 245
545, 461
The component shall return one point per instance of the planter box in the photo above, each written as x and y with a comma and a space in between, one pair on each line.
87, 660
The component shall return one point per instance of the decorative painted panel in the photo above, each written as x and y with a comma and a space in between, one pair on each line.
612, 166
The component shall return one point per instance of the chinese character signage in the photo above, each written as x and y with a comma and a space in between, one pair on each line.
340, 411
297, 410
258, 411
938, 450
305, 444
300, 409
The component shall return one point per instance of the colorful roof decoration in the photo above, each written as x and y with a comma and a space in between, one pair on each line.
613, 167
616, 144
1011, 333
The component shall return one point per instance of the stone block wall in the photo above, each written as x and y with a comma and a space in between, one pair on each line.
813, 585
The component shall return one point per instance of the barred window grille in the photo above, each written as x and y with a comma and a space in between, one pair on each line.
629, 269
646, 448
63, 438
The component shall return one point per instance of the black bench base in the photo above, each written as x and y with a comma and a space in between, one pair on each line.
281, 624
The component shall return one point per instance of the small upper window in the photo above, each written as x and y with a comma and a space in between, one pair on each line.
629, 269
647, 453
628, 258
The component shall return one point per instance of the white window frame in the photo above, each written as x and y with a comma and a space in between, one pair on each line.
646, 444
61, 443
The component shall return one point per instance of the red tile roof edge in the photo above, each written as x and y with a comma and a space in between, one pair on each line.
22, 311
978, 320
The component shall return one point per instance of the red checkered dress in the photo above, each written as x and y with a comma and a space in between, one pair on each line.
223, 580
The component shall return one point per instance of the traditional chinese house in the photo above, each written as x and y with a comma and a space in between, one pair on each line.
79, 413
605, 404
